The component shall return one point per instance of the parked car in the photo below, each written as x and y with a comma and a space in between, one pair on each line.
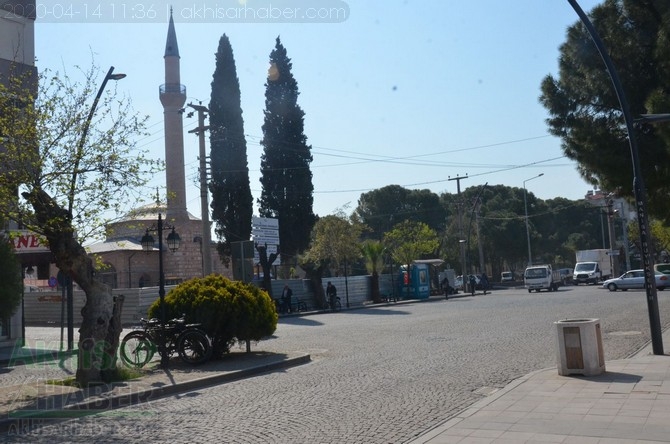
459, 282
662, 268
506, 276
635, 279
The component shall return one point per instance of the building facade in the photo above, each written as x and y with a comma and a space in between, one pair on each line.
19, 74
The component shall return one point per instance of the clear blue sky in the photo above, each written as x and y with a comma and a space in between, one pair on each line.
400, 92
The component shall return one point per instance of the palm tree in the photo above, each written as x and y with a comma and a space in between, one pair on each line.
373, 252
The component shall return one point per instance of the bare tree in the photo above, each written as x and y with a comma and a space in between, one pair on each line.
69, 161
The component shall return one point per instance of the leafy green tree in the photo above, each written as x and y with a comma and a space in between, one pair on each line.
232, 203
584, 109
11, 289
408, 241
661, 235
335, 240
286, 179
382, 208
567, 226
558, 227
68, 184
660, 240
373, 252
334, 243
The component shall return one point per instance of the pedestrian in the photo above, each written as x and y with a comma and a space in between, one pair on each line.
331, 294
484, 280
286, 298
473, 284
445, 287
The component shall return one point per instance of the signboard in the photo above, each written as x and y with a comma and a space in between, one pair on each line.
25, 241
265, 231
262, 240
264, 222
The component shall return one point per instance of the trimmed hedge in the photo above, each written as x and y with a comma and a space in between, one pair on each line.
229, 311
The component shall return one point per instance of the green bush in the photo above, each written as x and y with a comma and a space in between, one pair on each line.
229, 311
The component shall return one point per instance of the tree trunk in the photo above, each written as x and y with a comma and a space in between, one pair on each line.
315, 276
374, 282
100, 330
266, 262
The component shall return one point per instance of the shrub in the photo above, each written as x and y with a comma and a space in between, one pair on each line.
228, 310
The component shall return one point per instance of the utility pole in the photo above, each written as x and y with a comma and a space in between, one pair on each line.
614, 261
460, 224
204, 202
482, 268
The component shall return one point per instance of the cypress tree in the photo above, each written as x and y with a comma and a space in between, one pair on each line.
232, 203
286, 179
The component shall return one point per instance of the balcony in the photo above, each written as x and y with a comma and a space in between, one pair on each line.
172, 88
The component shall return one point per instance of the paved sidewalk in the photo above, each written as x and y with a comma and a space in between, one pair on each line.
26, 395
629, 403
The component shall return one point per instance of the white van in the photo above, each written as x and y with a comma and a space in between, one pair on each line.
506, 276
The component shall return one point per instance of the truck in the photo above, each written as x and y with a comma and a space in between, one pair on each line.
541, 277
592, 266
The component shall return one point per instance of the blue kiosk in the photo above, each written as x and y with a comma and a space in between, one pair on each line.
418, 280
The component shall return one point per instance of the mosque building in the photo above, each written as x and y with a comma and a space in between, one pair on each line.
126, 264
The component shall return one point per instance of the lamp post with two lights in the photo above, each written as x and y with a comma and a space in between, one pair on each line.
173, 242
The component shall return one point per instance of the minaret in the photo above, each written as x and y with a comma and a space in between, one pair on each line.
173, 97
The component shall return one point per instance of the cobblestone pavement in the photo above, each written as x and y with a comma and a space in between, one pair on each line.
379, 375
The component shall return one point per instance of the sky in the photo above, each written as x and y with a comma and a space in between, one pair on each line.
402, 92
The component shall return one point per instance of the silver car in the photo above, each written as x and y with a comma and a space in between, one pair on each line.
635, 279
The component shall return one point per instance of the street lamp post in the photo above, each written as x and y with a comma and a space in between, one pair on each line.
525, 206
173, 241
80, 147
73, 184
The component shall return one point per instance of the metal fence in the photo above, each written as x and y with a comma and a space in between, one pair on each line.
48, 308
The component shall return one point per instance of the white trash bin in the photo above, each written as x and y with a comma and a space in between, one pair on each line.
579, 347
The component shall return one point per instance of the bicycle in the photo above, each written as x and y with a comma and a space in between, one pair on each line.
333, 303
191, 343
298, 306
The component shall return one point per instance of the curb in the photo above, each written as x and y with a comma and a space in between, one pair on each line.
16, 421
428, 435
